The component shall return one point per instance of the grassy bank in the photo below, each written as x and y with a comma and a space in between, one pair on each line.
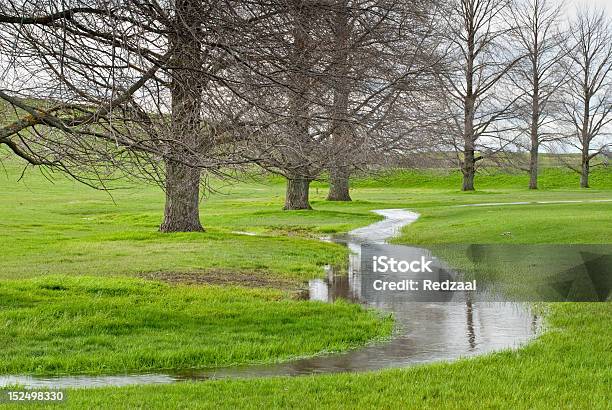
53, 233
88, 285
537, 223
66, 228
568, 367
489, 178
114, 325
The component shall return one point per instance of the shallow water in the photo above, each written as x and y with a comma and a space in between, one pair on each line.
425, 331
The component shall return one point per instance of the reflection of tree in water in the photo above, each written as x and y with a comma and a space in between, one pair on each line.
535, 324
471, 334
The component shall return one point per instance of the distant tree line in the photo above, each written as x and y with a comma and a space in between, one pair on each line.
176, 91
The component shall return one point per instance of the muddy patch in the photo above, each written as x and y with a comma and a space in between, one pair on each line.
226, 278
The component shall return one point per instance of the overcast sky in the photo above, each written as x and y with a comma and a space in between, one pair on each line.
573, 4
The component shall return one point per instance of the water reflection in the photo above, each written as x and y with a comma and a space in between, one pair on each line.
426, 331
63, 382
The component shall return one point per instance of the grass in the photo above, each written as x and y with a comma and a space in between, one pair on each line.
65, 233
66, 228
488, 178
65, 324
521, 224
568, 367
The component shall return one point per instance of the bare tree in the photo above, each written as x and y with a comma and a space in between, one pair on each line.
478, 62
540, 75
128, 84
182, 181
340, 80
302, 166
587, 102
297, 103
383, 56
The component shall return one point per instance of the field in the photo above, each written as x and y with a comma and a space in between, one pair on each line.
87, 285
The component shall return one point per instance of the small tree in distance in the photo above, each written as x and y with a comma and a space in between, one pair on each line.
478, 61
540, 75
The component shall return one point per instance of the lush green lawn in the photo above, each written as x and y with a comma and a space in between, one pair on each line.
54, 232
69, 325
540, 223
65, 230
568, 367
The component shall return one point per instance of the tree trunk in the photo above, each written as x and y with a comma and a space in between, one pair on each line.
299, 105
469, 160
182, 213
585, 170
469, 171
535, 125
339, 172
534, 156
297, 194
585, 138
469, 138
533, 167
339, 184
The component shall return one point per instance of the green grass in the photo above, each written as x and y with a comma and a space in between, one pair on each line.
568, 367
63, 324
488, 178
67, 228
68, 233
63, 231
589, 223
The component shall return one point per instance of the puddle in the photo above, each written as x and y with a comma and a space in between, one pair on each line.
425, 331
63, 382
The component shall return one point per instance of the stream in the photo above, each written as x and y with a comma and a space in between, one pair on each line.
425, 332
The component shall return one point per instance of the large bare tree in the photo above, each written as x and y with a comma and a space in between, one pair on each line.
383, 56
302, 103
587, 101
343, 29
134, 82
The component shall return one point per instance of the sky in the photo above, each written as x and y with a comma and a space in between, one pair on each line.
573, 4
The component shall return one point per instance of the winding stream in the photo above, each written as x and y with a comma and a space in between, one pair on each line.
425, 331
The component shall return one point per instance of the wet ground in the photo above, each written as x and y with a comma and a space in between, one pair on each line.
425, 331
